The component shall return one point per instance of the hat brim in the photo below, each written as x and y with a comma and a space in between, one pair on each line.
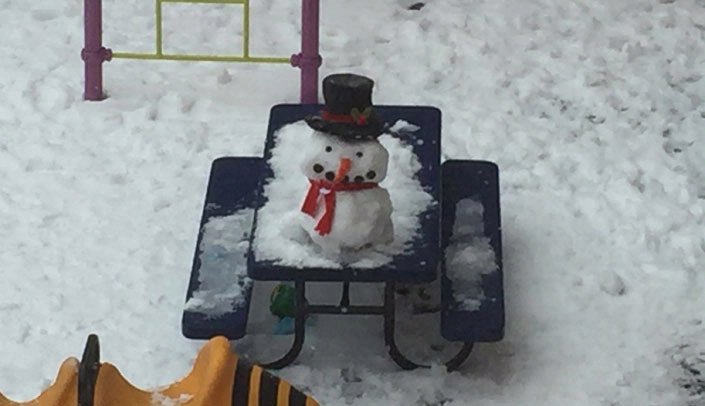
349, 131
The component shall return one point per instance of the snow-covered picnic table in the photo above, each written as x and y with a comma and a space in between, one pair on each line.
456, 236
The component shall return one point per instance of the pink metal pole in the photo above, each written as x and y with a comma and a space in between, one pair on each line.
309, 59
93, 53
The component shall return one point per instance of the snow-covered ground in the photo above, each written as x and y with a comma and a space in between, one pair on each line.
594, 111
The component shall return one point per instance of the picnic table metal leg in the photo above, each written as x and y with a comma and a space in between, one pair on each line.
389, 321
302, 311
299, 329
460, 357
394, 352
345, 298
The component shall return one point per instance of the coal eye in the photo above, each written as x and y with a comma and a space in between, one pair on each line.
329, 148
359, 154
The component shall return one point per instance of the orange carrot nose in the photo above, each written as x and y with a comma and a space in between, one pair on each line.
343, 169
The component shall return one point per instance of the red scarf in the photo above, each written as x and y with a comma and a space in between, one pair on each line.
328, 189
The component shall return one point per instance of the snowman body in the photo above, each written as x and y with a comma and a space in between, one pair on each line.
362, 219
360, 215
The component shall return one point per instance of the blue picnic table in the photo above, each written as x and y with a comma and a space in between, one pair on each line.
237, 183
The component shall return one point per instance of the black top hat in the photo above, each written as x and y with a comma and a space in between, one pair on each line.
348, 112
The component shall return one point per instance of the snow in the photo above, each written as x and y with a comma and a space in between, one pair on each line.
469, 255
223, 277
280, 237
403, 126
594, 111
160, 399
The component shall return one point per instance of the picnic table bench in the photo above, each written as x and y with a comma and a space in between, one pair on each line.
236, 185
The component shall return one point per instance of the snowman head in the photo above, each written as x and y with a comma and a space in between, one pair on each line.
334, 159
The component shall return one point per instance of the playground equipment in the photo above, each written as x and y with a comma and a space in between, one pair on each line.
94, 53
236, 186
218, 378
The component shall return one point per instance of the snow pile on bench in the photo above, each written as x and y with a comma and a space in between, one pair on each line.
279, 237
223, 272
469, 255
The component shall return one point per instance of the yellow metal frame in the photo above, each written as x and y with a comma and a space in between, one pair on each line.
245, 57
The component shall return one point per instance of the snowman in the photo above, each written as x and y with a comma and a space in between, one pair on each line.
345, 208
